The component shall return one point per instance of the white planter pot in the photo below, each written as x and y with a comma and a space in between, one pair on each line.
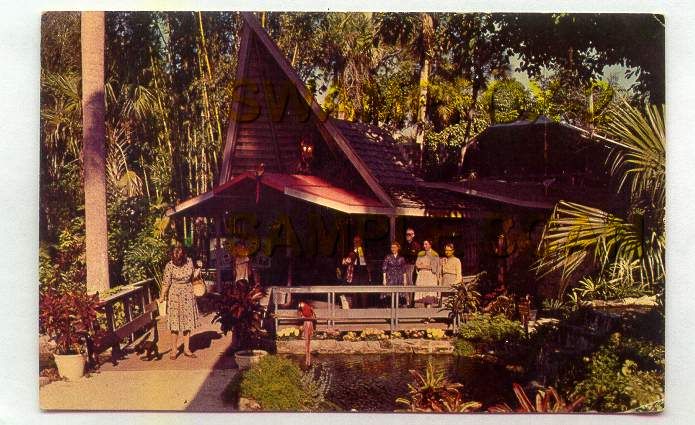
70, 366
162, 308
245, 358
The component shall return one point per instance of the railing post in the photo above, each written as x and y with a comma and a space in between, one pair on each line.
218, 253
395, 313
128, 314
392, 313
332, 308
275, 310
115, 343
148, 292
141, 300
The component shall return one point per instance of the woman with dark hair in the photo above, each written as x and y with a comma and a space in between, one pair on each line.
177, 290
394, 269
428, 273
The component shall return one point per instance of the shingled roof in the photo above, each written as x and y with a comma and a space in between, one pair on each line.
379, 151
366, 154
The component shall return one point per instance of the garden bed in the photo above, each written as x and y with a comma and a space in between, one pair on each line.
332, 346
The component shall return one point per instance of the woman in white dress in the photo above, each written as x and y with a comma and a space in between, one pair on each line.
428, 273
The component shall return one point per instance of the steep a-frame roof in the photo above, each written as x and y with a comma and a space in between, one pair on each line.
256, 49
368, 175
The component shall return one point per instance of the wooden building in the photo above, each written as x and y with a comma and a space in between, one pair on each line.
298, 184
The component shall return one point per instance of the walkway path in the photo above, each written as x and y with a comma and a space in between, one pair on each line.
135, 384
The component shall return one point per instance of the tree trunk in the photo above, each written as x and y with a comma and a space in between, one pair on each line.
469, 125
93, 150
425, 63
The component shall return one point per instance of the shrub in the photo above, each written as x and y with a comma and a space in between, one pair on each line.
463, 347
278, 384
555, 308
67, 318
239, 309
145, 258
501, 305
62, 265
465, 300
623, 375
486, 328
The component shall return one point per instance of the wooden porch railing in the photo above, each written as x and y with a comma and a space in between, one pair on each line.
333, 316
139, 308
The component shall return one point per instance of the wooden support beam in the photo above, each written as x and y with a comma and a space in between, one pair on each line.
392, 228
218, 253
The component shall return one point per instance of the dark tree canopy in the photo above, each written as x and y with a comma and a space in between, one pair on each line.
585, 43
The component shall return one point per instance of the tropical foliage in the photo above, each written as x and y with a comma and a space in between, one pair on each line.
628, 250
432, 392
547, 401
466, 300
239, 310
486, 328
169, 81
625, 374
67, 318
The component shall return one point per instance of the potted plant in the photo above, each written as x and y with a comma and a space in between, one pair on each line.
239, 310
67, 318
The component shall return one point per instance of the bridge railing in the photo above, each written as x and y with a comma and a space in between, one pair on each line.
333, 313
139, 309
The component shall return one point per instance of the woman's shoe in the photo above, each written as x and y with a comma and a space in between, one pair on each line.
191, 355
173, 355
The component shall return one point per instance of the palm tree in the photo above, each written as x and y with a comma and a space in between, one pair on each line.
627, 249
416, 32
93, 157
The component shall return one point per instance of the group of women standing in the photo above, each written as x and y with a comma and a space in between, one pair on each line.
397, 270
430, 268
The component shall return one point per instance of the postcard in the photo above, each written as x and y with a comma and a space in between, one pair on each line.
352, 212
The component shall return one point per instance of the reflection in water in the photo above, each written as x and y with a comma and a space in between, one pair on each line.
372, 382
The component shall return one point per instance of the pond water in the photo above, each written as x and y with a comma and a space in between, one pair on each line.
373, 382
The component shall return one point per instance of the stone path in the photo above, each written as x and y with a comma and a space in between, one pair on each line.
165, 384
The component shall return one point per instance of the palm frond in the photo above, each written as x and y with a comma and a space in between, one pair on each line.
575, 231
623, 248
640, 151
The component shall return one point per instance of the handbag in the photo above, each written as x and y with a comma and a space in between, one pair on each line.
199, 288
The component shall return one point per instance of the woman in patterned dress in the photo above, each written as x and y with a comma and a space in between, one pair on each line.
428, 273
394, 269
177, 290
